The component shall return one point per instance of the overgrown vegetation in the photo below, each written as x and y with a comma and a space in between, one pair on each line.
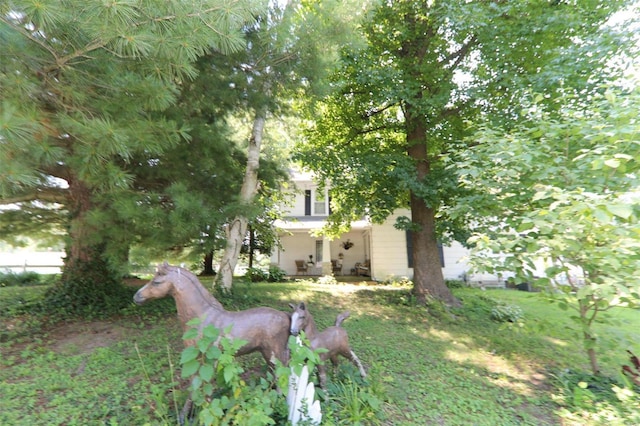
8, 279
426, 366
273, 274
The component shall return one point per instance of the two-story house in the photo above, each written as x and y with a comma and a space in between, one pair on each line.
378, 251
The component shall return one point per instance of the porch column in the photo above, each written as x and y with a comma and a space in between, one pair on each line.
326, 256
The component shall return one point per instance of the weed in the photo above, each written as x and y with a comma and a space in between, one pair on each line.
355, 405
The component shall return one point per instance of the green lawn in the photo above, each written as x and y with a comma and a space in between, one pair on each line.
431, 366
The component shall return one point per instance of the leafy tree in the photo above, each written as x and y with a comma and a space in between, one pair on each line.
402, 106
283, 59
82, 84
562, 205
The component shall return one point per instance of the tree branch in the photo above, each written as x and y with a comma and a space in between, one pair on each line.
461, 53
375, 111
48, 195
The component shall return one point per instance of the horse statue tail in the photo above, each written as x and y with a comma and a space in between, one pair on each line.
341, 317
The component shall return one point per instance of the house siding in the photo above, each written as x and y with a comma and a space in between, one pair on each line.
389, 251
382, 244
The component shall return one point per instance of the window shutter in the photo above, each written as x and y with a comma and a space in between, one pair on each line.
307, 202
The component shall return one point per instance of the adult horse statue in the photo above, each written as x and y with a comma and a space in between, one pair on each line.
266, 330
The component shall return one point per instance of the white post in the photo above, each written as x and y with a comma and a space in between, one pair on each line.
326, 256
300, 398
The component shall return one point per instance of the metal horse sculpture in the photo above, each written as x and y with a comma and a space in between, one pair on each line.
333, 338
266, 330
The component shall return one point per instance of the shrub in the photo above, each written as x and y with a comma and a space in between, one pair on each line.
276, 274
257, 275
507, 313
589, 399
455, 283
89, 289
26, 278
273, 275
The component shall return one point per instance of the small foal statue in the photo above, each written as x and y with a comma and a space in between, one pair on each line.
333, 338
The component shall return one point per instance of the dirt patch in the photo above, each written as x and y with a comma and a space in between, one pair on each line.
85, 337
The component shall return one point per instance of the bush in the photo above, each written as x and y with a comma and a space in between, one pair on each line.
588, 399
256, 275
9, 279
276, 274
455, 283
87, 289
507, 313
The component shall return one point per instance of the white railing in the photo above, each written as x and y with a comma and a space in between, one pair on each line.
40, 262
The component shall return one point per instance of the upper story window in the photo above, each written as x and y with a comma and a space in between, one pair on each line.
316, 202
319, 203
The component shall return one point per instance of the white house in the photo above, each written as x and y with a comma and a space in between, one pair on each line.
379, 251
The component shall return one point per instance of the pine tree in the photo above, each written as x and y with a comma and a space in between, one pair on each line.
82, 84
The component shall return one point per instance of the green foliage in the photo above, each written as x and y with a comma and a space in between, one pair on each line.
390, 133
588, 399
19, 279
87, 289
460, 368
274, 274
357, 406
217, 388
257, 274
87, 158
455, 283
561, 205
507, 313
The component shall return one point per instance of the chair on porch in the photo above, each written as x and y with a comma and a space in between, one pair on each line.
301, 267
363, 268
336, 267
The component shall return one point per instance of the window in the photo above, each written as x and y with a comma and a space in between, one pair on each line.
320, 204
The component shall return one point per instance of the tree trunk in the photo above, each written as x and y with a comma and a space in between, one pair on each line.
591, 353
207, 264
588, 337
236, 230
88, 283
427, 269
252, 243
78, 249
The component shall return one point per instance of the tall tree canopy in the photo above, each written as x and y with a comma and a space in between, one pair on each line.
288, 49
401, 106
81, 83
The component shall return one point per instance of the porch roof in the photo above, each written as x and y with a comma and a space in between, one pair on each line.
308, 223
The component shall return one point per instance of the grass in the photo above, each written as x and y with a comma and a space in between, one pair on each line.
430, 365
